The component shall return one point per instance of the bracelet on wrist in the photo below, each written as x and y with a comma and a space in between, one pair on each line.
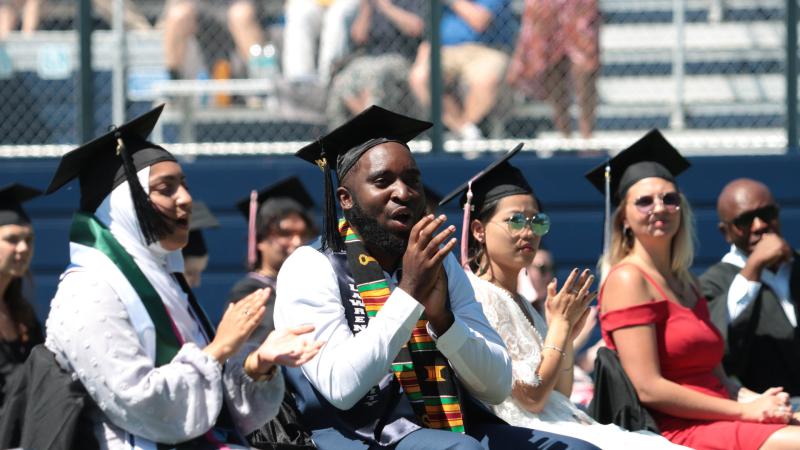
558, 349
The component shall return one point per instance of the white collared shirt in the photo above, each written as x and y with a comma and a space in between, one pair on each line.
742, 291
349, 365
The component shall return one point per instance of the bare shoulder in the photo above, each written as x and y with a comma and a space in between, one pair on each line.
625, 286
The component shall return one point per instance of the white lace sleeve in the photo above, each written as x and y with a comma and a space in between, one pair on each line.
524, 346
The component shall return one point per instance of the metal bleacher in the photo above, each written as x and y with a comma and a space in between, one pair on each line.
733, 83
733, 88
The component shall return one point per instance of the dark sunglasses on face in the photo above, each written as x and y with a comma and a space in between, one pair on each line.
766, 214
646, 204
539, 223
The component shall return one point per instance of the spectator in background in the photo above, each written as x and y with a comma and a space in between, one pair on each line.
558, 46
309, 22
19, 329
387, 34
134, 18
10, 15
282, 224
475, 35
753, 290
180, 27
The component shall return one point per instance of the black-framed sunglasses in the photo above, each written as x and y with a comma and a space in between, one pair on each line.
745, 220
646, 204
539, 223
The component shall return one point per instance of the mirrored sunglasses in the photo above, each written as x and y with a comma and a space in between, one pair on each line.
539, 223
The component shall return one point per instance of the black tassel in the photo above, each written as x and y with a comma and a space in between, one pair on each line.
151, 222
330, 224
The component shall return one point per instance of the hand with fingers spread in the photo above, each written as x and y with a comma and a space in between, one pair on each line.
290, 347
238, 322
570, 305
422, 261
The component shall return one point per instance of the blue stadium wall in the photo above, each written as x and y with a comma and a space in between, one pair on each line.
575, 207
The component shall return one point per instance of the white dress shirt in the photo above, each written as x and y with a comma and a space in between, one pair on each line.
742, 291
348, 366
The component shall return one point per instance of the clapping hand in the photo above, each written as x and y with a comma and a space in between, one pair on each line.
238, 322
289, 347
571, 303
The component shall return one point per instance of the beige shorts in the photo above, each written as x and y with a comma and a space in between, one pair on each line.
472, 62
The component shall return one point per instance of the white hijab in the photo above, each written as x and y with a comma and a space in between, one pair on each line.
118, 214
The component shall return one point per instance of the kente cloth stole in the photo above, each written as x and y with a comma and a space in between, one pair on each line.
423, 372
87, 230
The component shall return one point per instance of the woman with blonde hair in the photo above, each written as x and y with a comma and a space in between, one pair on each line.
653, 316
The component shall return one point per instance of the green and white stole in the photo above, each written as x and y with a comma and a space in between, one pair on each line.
423, 372
86, 230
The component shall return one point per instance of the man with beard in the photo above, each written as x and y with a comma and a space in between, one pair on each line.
753, 291
409, 352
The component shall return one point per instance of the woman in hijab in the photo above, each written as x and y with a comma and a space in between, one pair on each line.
125, 323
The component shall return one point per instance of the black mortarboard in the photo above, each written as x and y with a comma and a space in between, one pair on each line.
202, 218
500, 179
287, 189
261, 207
650, 156
341, 148
12, 197
104, 163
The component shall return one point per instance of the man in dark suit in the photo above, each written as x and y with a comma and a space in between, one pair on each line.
753, 291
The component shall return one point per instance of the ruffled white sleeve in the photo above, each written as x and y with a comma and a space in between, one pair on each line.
91, 335
505, 317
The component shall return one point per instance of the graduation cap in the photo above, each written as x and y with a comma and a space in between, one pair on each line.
285, 195
104, 163
202, 219
290, 189
498, 180
340, 149
12, 197
650, 156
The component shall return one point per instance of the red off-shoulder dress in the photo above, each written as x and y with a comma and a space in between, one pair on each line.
689, 347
